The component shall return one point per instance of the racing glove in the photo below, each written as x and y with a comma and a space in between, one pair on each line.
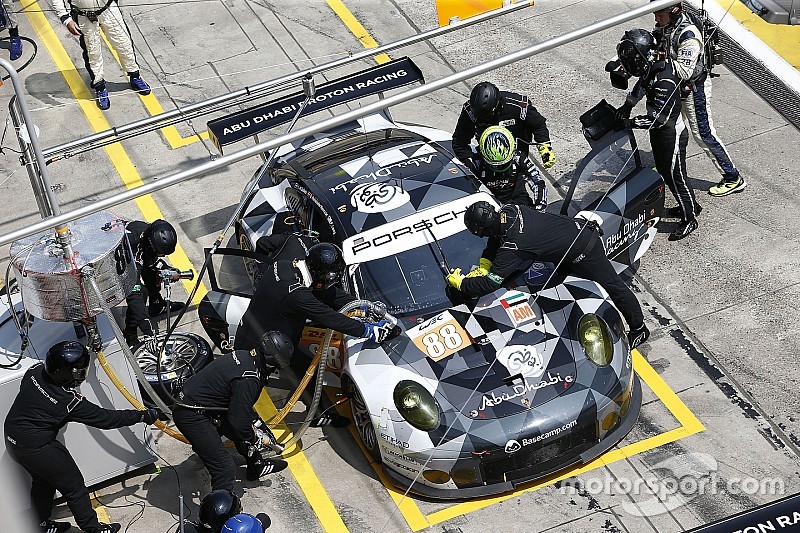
623, 112
150, 416
641, 122
484, 265
546, 152
455, 278
377, 332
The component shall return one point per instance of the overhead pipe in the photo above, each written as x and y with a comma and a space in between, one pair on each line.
227, 160
180, 114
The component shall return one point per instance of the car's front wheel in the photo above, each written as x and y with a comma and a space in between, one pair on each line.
363, 422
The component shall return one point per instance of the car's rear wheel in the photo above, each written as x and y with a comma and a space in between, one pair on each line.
363, 422
184, 355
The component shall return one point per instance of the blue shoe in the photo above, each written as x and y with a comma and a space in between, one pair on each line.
102, 99
16, 48
139, 85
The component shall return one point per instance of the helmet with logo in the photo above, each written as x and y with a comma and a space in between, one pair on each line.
485, 101
242, 523
162, 237
325, 264
497, 146
482, 220
674, 13
275, 349
215, 509
637, 52
67, 363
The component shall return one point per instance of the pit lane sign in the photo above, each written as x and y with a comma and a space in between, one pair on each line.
232, 128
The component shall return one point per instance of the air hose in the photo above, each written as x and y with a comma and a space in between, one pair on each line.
318, 365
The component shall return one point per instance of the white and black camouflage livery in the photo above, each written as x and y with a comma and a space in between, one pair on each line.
517, 396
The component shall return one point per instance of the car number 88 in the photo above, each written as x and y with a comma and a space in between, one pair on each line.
334, 361
442, 342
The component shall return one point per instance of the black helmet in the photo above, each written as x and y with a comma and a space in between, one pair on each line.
67, 362
325, 264
482, 220
637, 51
276, 349
674, 13
162, 237
216, 508
485, 100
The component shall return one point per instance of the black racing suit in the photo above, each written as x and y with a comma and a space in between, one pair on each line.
39, 411
668, 133
282, 246
516, 113
149, 286
232, 382
520, 184
527, 234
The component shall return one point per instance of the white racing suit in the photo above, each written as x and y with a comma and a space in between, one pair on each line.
107, 16
685, 46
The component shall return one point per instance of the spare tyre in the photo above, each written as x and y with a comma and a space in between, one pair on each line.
184, 355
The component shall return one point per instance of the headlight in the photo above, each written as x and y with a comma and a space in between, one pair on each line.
595, 337
416, 405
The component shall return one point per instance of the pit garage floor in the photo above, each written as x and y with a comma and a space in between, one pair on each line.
717, 432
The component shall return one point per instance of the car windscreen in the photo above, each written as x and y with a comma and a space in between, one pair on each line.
412, 281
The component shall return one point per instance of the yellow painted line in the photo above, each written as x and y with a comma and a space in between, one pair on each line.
300, 467
100, 509
171, 133
784, 39
304, 473
356, 28
689, 425
97, 120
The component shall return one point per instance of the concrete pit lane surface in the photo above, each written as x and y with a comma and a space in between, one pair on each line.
719, 424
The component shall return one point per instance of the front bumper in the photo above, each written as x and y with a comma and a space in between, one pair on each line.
519, 469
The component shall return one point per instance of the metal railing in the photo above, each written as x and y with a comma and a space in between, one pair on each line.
252, 151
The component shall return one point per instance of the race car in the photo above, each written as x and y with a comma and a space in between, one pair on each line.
474, 397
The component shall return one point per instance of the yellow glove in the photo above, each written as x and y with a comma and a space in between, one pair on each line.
477, 272
548, 157
455, 278
485, 264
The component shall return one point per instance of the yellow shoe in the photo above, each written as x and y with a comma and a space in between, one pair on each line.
726, 187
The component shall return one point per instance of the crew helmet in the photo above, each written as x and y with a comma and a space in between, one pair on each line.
497, 146
674, 12
482, 220
637, 52
485, 101
67, 363
276, 350
325, 264
217, 507
162, 237
242, 523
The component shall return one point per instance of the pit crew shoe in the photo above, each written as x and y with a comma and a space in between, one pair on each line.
726, 187
16, 48
102, 98
675, 212
51, 526
159, 307
264, 467
105, 528
683, 230
638, 336
140, 86
330, 419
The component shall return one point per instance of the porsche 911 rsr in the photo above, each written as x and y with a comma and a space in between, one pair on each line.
475, 397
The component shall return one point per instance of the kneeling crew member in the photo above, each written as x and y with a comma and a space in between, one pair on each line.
150, 243
47, 400
511, 177
518, 234
293, 291
219, 400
